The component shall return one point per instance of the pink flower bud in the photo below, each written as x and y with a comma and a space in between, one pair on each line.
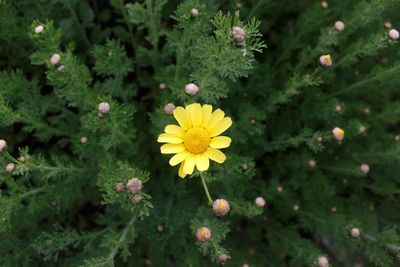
387, 25
160, 228
61, 68
203, 234
367, 111
325, 60
338, 133
10, 167
220, 207
364, 168
39, 29
194, 12
322, 261
260, 202
223, 258
245, 265
83, 140
333, 209
134, 185
339, 25
3, 145
362, 130
324, 4
238, 34
355, 232
104, 107
312, 163
136, 199
55, 59
162, 86
119, 187
338, 109
191, 89
393, 34
169, 108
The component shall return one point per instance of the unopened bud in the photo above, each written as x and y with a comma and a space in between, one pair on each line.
203, 234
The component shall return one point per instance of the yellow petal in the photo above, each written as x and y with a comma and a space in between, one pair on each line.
216, 117
189, 164
202, 162
178, 158
169, 138
174, 130
221, 127
220, 142
216, 155
207, 110
180, 171
172, 148
182, 118
196, 114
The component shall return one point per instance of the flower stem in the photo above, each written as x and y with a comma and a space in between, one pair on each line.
7, 155
210, 201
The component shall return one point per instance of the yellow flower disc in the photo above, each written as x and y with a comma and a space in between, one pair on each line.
196, 140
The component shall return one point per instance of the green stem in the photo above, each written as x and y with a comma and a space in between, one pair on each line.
121, 240
11, 158
210, 201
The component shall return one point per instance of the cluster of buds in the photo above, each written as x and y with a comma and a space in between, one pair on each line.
325, 60
134, 187
338, 133
221, 207
191, 89
103, 108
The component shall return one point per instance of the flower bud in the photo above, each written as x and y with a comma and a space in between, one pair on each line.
324, 4
338, 133
367, 111
21, 159
39, 29
119, 187
387, 25
245, 265
136, 199
355, 232
312, 163
55, 59
110, 53
104, 108
296, 208
223, 258
393, 34
10, 167
260, 202
160, 228
134, 185
325, 60
162, 86
322, 261
169, 108
333, 209
238, 34
362, 130
220, 207
279, 189
339, 25
83, 140
203, 234
191, 89
61, 68
364, 168
3, 145
194, 12
338, 109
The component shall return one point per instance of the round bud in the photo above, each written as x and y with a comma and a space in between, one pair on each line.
322, 261
339, 25
147, 262
238, 34
3, 145
134, 185
326, 60
245, 166
355, 232
119, 187
10, 167
162, 86
169, 108
203, 234
253, 121
319, 139
333, 209
104, 108
344, 181
53, 203
110, 53
387, 25
312, 163
393, 34
191, 89
396, 138
239, 5
324, 4
55, 59
367, 111
362, 130
194, 12
364, 168
260, 202
220, 207
223, 258
136, 199
83, 140
279, 189
338, 109
160, 228
61, 68
39, 29
338, 133
21, 159
245, 265
296, 207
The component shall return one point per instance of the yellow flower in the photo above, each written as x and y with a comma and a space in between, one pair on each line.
196, 140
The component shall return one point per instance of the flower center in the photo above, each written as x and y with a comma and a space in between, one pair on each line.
196, 140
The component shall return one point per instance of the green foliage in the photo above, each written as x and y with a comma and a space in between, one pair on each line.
59, 205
